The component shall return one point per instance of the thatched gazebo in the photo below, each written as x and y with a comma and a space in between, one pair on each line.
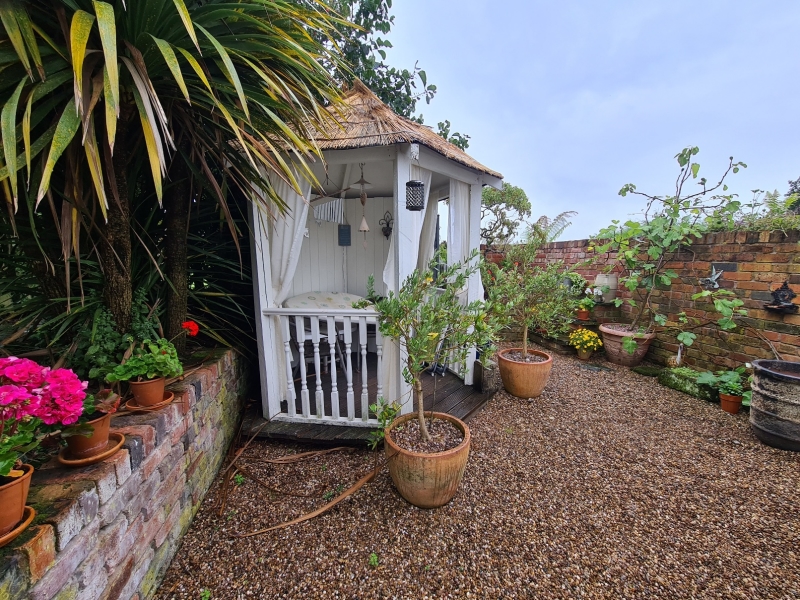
310, 265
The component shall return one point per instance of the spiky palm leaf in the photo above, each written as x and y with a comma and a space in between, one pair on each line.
237, 80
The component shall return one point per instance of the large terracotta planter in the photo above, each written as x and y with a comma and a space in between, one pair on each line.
13, 496
730, 404
775, 406
615, 353
521, 379
148, 393
81, 446
427, 480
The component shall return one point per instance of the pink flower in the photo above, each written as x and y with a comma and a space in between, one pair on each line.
25, 372
12, 394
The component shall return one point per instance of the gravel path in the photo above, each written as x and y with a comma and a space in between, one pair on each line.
606, 486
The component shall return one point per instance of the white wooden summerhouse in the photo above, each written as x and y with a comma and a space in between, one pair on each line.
322, 360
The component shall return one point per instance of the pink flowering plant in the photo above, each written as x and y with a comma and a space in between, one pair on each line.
31, 397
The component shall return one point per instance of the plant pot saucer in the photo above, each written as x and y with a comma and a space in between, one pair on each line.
27, 517
132, 406
115, 441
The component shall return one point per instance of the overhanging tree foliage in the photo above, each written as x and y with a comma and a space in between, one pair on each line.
106, 104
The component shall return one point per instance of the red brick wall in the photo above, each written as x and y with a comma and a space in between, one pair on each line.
753, 265
109, 531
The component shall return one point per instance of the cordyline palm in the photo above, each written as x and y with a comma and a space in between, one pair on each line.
104, 103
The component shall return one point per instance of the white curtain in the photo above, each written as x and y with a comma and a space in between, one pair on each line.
458, 227
423, 229
428, 228
286, 234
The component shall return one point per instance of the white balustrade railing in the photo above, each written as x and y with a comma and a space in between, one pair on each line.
328, 339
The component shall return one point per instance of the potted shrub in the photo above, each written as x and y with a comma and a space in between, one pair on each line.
31, 398
729, 384
585, 342
531, 297
645, 247
149, 364
89, 437
427, 453
585, 305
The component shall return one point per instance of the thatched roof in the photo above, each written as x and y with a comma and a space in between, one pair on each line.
365, 121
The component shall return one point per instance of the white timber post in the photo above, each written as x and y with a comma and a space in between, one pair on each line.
265, 326
474, 289
404, 258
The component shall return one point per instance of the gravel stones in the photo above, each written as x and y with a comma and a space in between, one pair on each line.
444, 435
526, 358
608, 485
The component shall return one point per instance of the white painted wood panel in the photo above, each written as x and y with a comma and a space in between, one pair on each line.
361, 263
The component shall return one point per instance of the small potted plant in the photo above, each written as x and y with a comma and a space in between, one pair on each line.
89, 437
531, 297
585, 305
427, 452
31, 398
730, 385
585, 342
149, 364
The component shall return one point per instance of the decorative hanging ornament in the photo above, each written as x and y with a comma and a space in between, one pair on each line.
363, 183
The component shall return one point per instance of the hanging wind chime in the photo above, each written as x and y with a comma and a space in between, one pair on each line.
363, 183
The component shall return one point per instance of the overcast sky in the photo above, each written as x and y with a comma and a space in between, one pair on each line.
572, 99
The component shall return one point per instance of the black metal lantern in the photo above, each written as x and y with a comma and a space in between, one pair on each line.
415, 195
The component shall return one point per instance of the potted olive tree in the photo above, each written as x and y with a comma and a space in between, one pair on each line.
645, 247
427, 452
531, 297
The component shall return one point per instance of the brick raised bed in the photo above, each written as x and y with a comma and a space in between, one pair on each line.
111, 529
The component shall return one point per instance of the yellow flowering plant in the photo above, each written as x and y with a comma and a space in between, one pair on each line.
584, 339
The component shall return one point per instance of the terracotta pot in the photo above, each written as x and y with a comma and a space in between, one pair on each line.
81, 446
148, 392
13, 496
427, 480
582, 314
615, 353
730, 404
521, 379
584, 354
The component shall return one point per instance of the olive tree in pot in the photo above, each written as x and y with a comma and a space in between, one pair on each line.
531, 297
644, 248
427, 452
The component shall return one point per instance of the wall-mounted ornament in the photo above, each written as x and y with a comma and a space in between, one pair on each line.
386, 223
782, 300
710, 283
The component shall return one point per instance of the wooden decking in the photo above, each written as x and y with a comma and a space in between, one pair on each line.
451, 396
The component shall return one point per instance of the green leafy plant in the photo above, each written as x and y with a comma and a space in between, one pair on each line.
586, 303
385, 412
726, 382
205, 594
239, 479
150, 360
668, 225
373, 560
429, 321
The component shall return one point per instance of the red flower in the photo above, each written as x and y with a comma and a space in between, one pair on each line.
191, 328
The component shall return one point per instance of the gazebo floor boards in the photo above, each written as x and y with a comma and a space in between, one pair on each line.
452, 397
